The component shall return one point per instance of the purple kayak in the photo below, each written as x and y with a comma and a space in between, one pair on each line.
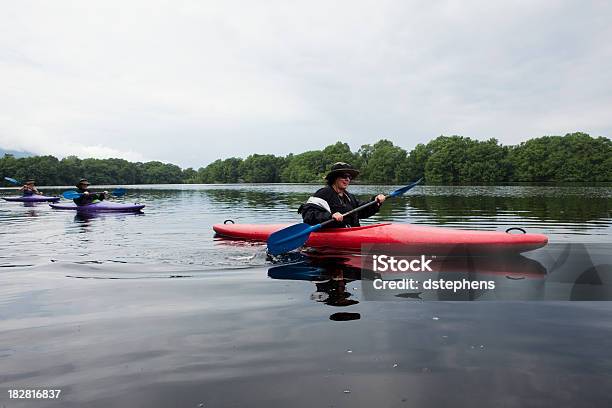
31, 199
103, 206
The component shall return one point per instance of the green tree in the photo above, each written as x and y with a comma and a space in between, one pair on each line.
155, 172
258, 168
189, 176
458, 159
384, 163
573, 157
221, 171
70, 170
307, 167
340, 152
414, 165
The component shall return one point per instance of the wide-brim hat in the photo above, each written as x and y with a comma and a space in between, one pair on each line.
341, 168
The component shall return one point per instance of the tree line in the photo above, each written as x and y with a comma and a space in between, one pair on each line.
446, 159
50, 171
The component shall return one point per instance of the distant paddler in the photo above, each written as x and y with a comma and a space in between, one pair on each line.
331, 201
29, 188
85, 196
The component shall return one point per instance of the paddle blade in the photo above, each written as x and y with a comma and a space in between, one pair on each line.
290, 238
297, 272
12, 180
70, 195
118, 192
402, 190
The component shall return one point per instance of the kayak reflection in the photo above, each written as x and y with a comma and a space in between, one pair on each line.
564, 271
86, 217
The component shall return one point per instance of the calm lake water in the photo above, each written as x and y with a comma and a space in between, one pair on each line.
152, 310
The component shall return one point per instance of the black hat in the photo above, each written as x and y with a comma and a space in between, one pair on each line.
339, 169
30, 180
82, 181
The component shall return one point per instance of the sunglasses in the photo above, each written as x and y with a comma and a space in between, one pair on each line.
346, 176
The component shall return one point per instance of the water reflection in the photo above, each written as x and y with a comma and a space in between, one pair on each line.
567, 209
330, 275
228, 337
31, 213
87, 217
258, 199
177, 227
558, 272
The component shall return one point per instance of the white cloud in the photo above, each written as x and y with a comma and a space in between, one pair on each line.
193, 82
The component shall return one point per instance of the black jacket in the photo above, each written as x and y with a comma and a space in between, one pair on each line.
313, 214
87, 199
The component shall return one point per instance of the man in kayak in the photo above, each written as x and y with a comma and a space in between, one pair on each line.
29, 189
333, 200
86, 196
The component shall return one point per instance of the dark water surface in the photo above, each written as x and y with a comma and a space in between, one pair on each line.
151, 310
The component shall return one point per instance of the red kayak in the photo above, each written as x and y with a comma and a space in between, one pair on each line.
409, 238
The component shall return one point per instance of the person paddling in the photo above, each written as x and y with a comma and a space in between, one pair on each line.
29, 188
333, 200
86, 196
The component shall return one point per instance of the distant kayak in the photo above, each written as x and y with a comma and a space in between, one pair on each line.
408, 238
103, 206
31, 199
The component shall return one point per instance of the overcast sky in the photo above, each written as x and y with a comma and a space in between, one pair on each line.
189, 82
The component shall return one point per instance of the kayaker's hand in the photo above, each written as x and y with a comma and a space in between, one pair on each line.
105, 194
337, 216
86, 193
380, 198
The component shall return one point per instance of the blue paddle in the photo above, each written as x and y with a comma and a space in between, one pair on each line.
13, 181
71, 195
296, 235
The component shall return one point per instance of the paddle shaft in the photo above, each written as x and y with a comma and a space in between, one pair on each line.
12, 181
354, 210
395, 193
73, 194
